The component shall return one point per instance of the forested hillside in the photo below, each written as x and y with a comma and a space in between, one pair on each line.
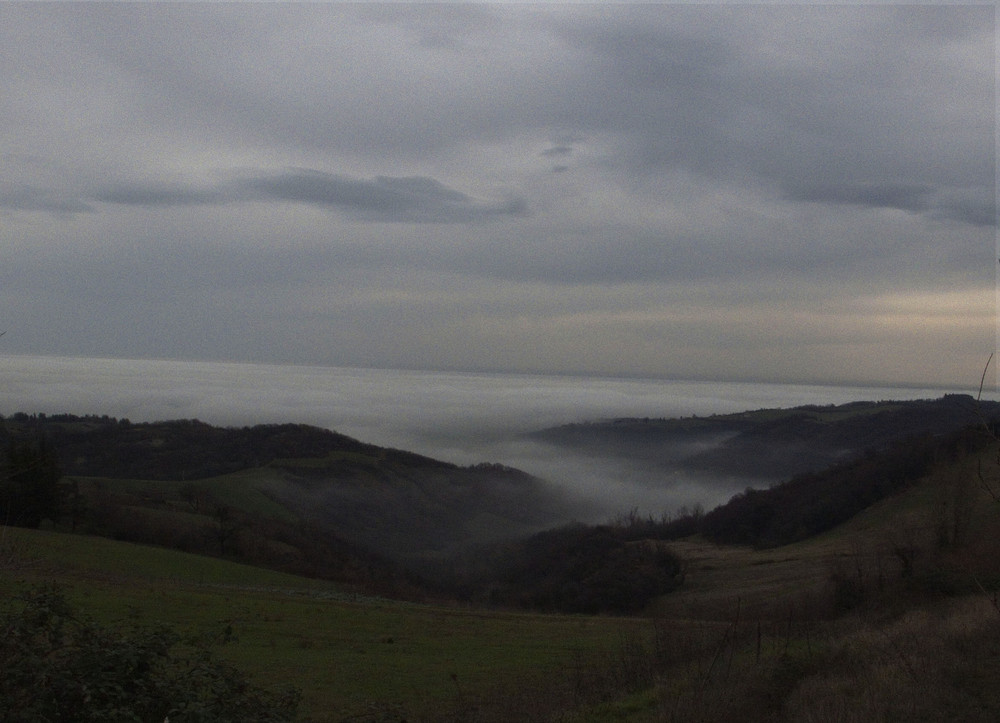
771, 444
184, 482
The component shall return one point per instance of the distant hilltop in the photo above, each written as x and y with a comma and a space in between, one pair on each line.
772, 444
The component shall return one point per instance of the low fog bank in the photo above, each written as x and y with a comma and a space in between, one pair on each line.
455, 417
612, 486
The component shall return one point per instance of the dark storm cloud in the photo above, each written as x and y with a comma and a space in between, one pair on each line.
157, 195
903, 197
414, 199
558, 151
978, 212
912, 198
28, 198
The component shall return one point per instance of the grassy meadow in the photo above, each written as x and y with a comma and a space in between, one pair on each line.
353, 657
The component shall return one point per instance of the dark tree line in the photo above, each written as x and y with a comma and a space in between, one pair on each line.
812, 503
30, 490
584, 569
91, 446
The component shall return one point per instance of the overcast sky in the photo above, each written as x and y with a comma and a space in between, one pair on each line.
786, 193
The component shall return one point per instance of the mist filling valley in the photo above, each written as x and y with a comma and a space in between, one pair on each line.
461, 418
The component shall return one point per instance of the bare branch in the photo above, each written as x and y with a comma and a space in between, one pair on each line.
982, 379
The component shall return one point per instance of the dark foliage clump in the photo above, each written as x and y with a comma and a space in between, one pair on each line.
56, 666
812, 503
29, 485
172, 450
584, 569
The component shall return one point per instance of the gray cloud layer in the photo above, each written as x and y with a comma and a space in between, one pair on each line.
782, 192
415, 199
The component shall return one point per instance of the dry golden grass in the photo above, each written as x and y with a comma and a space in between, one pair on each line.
869, 548
930, 664
889, 617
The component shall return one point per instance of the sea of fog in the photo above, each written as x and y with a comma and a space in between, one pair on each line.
465, 418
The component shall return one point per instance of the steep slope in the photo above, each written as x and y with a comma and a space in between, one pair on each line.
393, 502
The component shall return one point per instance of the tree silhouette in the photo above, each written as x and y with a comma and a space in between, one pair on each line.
29, 486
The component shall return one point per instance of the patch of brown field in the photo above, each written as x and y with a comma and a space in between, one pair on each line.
946, 527
720, 579
766, 583
891, 616
931, 664
934, 661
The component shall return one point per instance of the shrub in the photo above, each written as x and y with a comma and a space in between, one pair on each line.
57, 666
29, 485
582, 569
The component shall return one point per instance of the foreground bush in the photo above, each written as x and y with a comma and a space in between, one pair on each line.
57, 666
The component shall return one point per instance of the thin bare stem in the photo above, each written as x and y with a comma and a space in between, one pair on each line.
982, 380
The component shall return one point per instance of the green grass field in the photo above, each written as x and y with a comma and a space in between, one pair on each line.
349, 655
247, 490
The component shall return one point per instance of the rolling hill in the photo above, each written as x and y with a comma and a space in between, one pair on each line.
188, 474
770, 444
